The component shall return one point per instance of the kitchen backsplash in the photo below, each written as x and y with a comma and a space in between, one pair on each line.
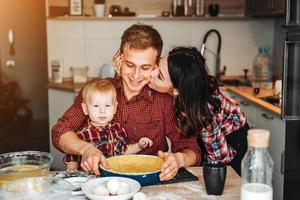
93, 42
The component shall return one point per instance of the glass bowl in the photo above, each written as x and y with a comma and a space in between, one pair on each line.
23, 164
36, 188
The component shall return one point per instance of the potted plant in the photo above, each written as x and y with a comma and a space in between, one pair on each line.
99, 6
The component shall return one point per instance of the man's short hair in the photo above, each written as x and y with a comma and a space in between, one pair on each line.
142, 36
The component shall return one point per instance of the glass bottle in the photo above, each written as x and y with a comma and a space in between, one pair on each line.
188, 7
257, 167
263, 68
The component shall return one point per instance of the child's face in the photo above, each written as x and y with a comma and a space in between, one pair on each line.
100, 108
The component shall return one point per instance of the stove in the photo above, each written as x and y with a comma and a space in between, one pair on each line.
274, 100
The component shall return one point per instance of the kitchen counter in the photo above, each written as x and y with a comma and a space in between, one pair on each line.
67, 85
243, 91
247, 93
189, 190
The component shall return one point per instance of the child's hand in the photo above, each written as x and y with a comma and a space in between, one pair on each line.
144, 142
72, 166
117, 62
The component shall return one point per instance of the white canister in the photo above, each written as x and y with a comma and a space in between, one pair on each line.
278, 87
99, 10
80, 74
56, 71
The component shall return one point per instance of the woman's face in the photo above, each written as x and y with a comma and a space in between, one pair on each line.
160, 79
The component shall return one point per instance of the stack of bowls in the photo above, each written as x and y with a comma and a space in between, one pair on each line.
36, 188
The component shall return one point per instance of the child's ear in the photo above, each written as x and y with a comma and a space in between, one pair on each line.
84, 108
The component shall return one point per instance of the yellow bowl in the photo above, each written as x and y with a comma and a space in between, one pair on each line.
143, 168
23, 164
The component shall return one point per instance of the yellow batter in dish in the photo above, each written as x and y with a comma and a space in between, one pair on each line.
135, 163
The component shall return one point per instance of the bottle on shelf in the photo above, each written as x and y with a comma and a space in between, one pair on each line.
262, 68
199, 8
257, 167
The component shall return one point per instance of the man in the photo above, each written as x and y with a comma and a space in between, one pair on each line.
141, 110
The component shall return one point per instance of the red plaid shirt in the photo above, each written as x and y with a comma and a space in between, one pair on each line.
111, 140
230, 119
149, 114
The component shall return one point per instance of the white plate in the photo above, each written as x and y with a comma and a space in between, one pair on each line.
77, 183
88, 187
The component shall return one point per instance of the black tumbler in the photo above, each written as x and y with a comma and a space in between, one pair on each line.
214, 177
213, 10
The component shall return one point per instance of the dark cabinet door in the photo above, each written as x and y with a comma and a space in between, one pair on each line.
265, 8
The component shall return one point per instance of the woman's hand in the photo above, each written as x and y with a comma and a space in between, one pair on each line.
117, 62
173, 161
91, 158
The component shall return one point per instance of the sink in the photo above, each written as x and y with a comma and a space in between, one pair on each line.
234, 82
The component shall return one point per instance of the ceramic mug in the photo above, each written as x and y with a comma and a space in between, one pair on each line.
214, 177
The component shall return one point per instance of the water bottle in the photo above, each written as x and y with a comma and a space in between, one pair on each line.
257, 167
263, 68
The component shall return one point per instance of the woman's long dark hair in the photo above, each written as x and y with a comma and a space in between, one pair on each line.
197, 89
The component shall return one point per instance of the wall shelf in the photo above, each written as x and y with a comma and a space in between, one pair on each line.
234, 17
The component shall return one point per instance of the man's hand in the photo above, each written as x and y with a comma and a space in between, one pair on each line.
91, 158
173, 161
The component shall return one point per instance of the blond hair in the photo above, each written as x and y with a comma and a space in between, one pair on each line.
102, 86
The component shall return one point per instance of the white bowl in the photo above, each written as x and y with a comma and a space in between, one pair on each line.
88, 187
77, 183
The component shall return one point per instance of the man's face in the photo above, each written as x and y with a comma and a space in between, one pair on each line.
136, 68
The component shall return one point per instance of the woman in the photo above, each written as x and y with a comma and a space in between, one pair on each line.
202, 110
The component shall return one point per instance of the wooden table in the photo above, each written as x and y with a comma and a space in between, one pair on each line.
193, 190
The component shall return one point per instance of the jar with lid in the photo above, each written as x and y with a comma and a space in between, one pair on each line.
178, 7
257, 167
262, 68
57, 71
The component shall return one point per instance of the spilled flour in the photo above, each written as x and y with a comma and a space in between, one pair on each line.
187, 190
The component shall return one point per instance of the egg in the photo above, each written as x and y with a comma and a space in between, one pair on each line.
124, 188
100, 190
139, 196
113, 186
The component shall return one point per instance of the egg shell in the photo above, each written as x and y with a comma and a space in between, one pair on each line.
100, 190
124, 188
113, 186
139, 196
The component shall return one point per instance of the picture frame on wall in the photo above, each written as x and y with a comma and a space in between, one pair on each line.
76, 7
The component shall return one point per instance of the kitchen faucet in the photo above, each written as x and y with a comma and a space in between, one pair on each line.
217, 55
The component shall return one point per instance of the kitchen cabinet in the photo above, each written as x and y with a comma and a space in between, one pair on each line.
59, 101
258, 117
265, 8
266, 120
